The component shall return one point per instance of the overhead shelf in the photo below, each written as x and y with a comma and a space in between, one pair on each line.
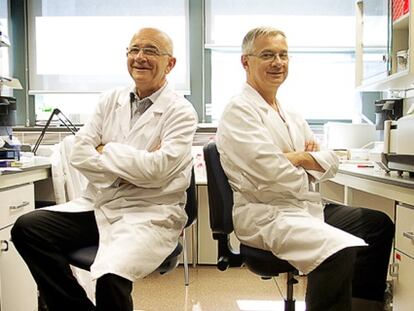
402, 80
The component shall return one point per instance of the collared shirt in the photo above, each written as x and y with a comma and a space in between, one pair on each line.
139, 106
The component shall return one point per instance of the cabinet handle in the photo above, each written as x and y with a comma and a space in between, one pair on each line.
16, 207
409, 235
394, 269
4, 245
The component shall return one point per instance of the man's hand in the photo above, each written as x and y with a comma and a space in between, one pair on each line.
303, 159
100, 148
294, 157
157, 147
311, 145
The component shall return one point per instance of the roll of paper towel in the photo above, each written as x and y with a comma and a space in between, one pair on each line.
348, 135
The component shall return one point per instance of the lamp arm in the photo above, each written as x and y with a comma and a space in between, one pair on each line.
65, 122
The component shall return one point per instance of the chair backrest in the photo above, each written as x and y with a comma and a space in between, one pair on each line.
191, 204
220, 195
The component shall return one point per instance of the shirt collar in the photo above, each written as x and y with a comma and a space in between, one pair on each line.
154, 96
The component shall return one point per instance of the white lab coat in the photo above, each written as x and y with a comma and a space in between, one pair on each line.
68, 182
274, 206
137, 192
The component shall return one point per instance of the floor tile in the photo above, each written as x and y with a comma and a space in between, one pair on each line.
236, 289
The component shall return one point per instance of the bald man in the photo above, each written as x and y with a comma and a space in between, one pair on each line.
136, 155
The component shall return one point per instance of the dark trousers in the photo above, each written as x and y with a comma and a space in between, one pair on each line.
43, 238
360, 271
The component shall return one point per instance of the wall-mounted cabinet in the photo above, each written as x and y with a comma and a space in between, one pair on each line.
375, 39
385, 45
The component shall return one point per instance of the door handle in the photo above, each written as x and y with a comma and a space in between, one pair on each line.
409, 235
17, 207
4, 245
393, 271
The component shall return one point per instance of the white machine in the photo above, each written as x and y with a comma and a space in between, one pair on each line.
9, 149
398, 144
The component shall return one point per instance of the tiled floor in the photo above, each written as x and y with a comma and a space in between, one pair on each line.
236, 289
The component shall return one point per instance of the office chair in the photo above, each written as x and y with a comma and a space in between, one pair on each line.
84, 257
220, 199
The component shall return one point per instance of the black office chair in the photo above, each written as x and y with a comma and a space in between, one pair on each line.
220, 199
84, 257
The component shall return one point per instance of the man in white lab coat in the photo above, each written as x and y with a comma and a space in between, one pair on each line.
136, 154
272, 161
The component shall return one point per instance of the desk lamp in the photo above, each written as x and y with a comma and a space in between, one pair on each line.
62, 118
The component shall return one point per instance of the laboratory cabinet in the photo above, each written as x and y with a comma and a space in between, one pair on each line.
384, 45
18, 291
375, 38
394, 195
403, 266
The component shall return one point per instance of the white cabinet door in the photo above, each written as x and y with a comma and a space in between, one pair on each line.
403, 284
18, 289
404, 231
207, 247
404, 259
15, 201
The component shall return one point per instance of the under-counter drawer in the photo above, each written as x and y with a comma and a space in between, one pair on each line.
14, 202
404, 234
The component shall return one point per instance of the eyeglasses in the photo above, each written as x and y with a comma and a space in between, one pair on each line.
146, 51
271, 56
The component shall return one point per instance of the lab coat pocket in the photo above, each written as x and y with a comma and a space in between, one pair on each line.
174, 220
252, 217
113, 210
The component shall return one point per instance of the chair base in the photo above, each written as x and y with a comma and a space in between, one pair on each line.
267, 265
290, 305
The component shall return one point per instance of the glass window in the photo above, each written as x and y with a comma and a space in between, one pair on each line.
78, 46
321, 38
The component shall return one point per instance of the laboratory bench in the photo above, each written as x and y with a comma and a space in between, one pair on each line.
18, 291
354, 186
368, 187
393, 194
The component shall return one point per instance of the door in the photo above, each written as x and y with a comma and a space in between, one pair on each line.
404, 283
375, 39
18, 289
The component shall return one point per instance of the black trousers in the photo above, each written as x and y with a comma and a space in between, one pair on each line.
353, 272
43, 238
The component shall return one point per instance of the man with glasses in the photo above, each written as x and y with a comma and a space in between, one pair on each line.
272, 161
136, 154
